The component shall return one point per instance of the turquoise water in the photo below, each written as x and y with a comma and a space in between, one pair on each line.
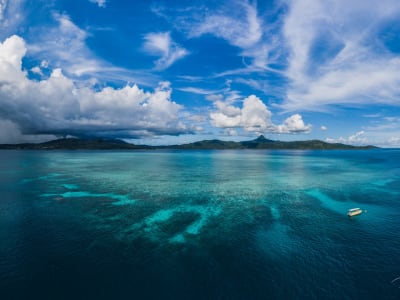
199, 225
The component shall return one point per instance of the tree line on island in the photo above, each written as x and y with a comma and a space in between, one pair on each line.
114, 144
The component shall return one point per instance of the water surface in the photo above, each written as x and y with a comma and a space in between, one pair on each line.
199, 224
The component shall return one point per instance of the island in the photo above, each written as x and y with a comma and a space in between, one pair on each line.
114, 144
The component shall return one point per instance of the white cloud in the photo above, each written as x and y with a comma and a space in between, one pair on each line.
231, 132
240, 27
336, 55
11, 16
237, 22
294, 124
59, 105
161, 44
100, 3
384, 138
384, 124
324, 128
37, 70
394, 141
3, 6
44, 64
64, 46
357, 138
11, 53
196, 90
254, 116
383, 131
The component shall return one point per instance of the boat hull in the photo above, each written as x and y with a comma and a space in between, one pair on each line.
353, 213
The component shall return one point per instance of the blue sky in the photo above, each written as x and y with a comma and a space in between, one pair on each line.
166, 72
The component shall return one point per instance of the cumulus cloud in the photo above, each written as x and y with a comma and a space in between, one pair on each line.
324, 128
161, 44
337, 54
100, 3
293, 124
58, 105
254, 116
357, 138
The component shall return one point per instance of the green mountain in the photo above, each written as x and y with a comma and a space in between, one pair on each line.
112, 144
263, 143
77, 144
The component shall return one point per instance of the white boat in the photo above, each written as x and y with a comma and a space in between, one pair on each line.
354, 212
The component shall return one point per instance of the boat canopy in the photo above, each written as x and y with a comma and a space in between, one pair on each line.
354, 209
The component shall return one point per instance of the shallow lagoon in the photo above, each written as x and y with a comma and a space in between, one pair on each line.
199, 224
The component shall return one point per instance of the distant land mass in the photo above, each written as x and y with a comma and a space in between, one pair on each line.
114, 144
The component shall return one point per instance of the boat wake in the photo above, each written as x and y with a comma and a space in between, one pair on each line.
396, 282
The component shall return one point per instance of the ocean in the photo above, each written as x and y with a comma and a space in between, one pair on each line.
199, 224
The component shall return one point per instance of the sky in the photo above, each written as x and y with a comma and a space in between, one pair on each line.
172, 72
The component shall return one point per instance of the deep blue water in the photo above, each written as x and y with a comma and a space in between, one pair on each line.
199, 225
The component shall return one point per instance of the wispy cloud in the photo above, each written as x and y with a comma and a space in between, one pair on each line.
381, 131
3, 6
240, 27
236, 22
196, 90
388, 124
100, 3
161, 44
337, 56
325, 53
64, 46
11, 16
190, 78
393, 141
